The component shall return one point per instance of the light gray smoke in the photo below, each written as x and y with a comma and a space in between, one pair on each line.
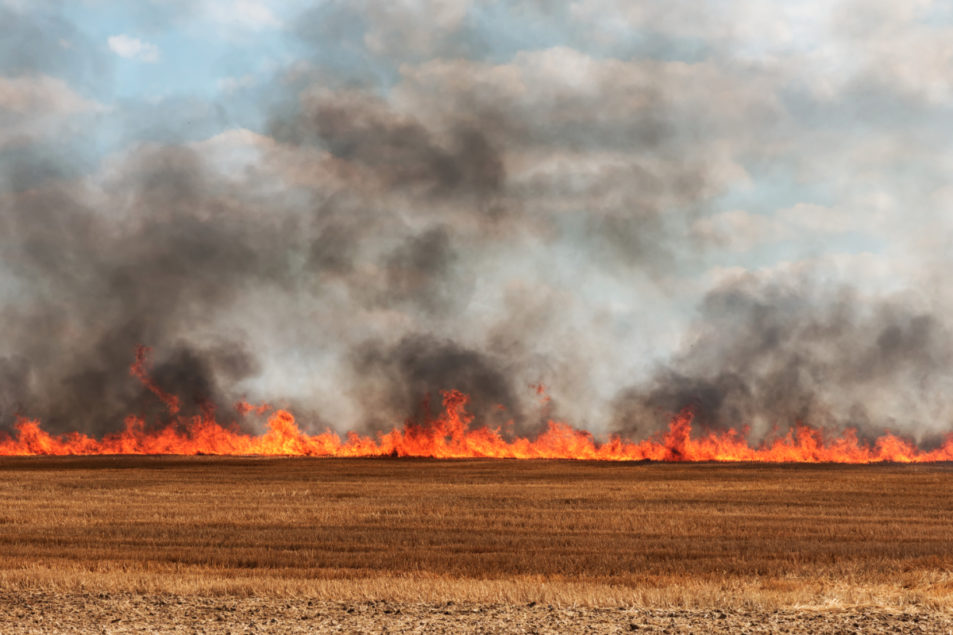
418, 212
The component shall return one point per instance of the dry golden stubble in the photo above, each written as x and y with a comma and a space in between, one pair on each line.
560, 532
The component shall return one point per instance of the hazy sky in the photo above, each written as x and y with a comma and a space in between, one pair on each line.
342, 206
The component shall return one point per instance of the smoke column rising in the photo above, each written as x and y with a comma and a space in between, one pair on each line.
408, 199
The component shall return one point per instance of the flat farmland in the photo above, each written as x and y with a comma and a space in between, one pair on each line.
556, 534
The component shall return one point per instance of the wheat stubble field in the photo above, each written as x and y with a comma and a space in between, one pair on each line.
123, 542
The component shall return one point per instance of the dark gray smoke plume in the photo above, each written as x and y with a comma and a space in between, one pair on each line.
406, 381
170, 249
409, 199
766, 355
362, 209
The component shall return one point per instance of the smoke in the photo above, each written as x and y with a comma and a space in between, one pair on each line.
768, 353
147, 265
398, 150
163, 245
404, 382
409, 208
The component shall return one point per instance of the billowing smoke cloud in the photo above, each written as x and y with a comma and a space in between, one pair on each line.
420, 210
400, 151
145, 265
407, 378
769, 353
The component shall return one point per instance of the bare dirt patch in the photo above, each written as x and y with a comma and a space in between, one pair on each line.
83, 613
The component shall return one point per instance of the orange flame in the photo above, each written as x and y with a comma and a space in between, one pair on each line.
451, 435
140, 371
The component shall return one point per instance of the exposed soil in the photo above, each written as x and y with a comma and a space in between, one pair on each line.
73, 613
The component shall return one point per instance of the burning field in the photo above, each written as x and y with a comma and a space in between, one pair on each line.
451, 435
442, 525
443, 314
